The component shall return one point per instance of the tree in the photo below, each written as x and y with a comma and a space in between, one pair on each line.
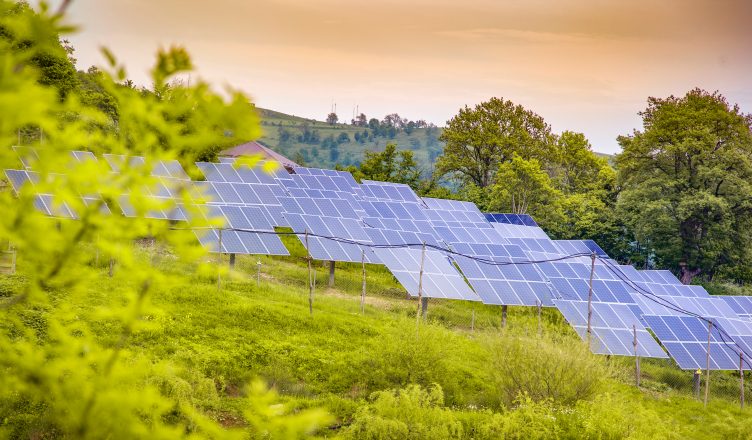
332, 118
360, 120
524, 188
390, 165
687, 183
478, 140
577, 169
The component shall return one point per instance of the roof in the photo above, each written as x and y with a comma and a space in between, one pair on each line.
254, 147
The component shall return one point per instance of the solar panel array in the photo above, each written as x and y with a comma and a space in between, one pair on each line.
613, 328
465, 230
496, 262
742, 305
46, 202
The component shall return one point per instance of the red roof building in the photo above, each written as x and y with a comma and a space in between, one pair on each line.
257, 148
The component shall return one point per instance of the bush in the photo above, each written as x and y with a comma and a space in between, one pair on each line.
410, 413
558, 368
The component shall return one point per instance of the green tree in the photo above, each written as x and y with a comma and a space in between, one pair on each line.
47, 53
687, 183
478, 140
332, 118
523, 187
390, 165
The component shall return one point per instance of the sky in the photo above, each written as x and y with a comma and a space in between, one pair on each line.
586, 66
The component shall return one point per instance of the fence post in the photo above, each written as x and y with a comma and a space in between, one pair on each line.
258, 272
741, 379
331, 274
590, 300
637, 356
540, 306
219, 264
310, 277
363, 290
707, 364
503, 316
420, 289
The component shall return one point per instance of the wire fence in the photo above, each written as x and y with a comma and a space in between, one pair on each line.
368, 287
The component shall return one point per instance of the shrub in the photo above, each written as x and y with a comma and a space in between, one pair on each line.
557, 368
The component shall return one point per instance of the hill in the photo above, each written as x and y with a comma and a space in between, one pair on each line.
458, 375
323, 145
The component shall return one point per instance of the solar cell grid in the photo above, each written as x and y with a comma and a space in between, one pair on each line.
686, 339
613, 327
440, 278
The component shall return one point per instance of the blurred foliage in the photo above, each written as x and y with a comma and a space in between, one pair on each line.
57, 379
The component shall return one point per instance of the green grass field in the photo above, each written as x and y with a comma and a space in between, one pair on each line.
377, 373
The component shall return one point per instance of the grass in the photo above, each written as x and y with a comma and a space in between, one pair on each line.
377, 374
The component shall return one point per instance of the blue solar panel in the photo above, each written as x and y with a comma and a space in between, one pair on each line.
613, 327
686, 339
440, 278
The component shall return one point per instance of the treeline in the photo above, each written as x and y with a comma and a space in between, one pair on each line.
678, 196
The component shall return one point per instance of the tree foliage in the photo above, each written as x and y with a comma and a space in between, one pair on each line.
77, 385
687, 181
390, 165
478, 140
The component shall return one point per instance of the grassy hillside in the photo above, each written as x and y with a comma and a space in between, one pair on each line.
285, 134
459, 375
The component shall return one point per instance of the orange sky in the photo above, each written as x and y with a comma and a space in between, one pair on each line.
583, 65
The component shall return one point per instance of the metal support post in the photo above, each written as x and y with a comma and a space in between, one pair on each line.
637, 357
590, 299
219, 264
707, 364
258, 272
363, 290
741, 379
232, 261
503, 316
540, 306
420, 288
331, 274
310, 276
472, 321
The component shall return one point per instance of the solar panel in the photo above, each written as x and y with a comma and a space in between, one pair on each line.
322, 204
511, 219
741, 305
507, 284
440, 278
686, 339
243, 186
571, 281
27, 155
44, 202
160, 168
248, 200
613, 327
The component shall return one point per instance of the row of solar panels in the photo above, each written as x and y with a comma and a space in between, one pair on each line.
501, 259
